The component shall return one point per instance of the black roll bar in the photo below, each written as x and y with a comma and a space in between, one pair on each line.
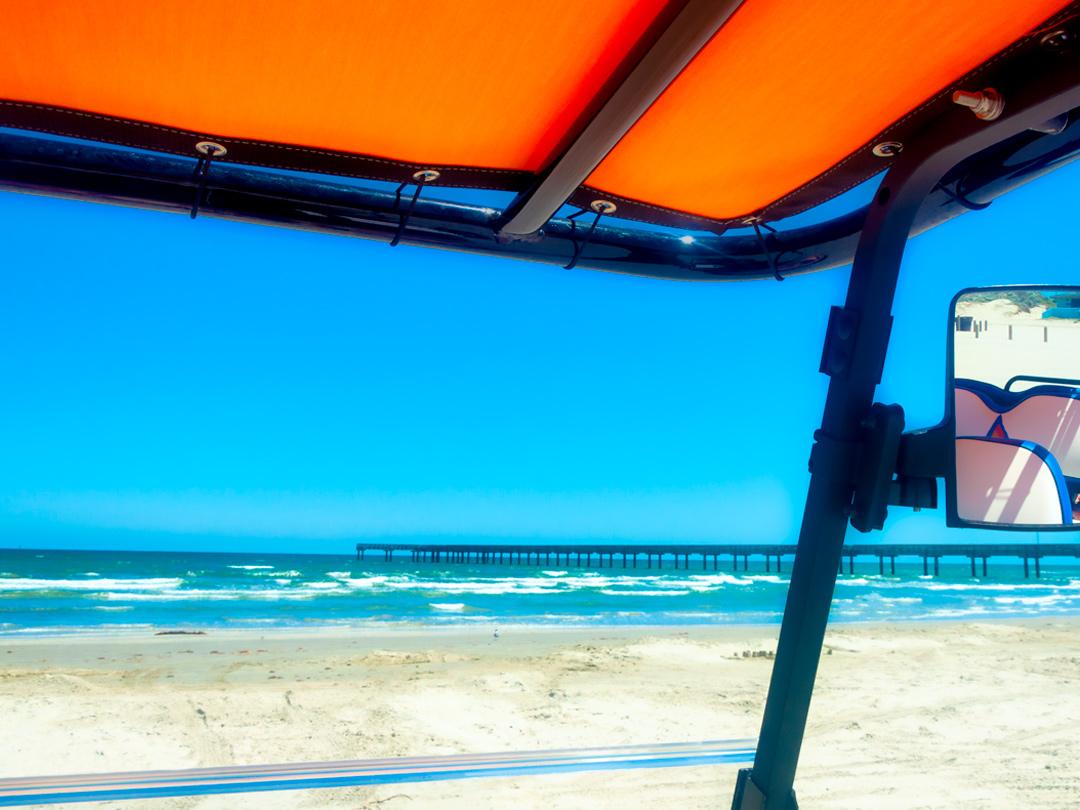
861, 334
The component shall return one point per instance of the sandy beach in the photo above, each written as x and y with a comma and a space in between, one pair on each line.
923, 715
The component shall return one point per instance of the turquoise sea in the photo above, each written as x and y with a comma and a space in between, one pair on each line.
47, 592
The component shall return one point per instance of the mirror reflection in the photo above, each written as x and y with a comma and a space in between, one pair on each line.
1016, 387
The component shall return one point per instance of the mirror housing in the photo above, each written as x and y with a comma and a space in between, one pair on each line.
1013, 405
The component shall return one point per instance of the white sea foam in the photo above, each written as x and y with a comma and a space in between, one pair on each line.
272, 573
367, 582
88, 584
747, 579
1032, 600
995, 586
454, 606
206, 595
250, 567
730, 579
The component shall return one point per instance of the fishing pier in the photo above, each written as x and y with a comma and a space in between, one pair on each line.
685, 556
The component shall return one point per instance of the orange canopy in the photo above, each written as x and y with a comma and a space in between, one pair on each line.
778, 103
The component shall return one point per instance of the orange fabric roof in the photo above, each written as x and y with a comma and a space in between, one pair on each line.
783, 93
480, 83
787, 89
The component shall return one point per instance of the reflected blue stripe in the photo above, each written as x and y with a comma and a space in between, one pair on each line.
297, 776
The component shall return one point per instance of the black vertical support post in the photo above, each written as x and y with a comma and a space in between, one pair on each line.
1037, 575
937, 569
892, 565
1026, 571
854, 363
818, 558
984, 566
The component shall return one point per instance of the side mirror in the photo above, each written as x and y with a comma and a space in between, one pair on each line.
1014, 384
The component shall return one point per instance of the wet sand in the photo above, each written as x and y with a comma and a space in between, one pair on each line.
926, 715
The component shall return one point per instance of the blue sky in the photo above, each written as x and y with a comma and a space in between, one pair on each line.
210, 385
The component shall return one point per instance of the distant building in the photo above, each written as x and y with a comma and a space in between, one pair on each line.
1066, 305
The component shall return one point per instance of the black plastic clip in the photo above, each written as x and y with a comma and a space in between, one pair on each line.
839, 345
421, 177
874, 479
208, 150
765, 249
601, 207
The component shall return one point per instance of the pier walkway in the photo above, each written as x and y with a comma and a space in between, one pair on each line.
644, 556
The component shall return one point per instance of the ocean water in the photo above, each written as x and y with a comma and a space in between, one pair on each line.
48, 592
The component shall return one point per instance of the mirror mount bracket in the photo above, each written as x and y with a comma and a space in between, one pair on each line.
923, 457
867, 466
916, 492
926, 453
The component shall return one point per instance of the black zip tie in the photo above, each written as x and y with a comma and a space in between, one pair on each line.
601, 207
420, 178
961, 200
765, 249
207, 152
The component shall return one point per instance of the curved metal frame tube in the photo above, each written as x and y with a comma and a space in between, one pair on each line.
87, 171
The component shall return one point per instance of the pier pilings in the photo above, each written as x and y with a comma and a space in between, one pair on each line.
684, 556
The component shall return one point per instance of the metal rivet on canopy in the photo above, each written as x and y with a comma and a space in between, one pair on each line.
888, 149
426, 176
603, 207
210, 148
1056, 40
